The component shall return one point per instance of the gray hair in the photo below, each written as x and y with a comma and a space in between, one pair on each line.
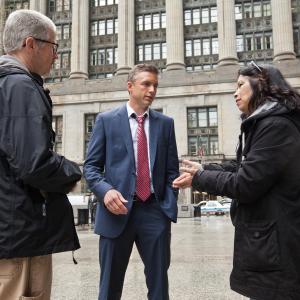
141, 68
23, 23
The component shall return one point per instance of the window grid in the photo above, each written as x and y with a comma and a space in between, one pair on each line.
89, 122
103, 56
104, 27
57, 126
200, 15
153, 51
59, 5
151, 21
248, 10
202, 131
254, 41
201, 46
96, 3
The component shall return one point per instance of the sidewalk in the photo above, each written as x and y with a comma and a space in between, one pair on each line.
200, 268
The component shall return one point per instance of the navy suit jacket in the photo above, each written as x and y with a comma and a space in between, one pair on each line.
110, 164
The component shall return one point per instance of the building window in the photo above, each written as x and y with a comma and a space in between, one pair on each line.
202, 15
65, 60
197, 47
103, 27
188, 48
94, 28
268, 42
59, 5
95, 3
63, 32
66, 31
57, 125
206, 46
62, 61
250, 42
238, 12
239, 43
187, 17
148, 52
257, 12
202, 131
214, 46
93, 58
249, 10
89, 122
103, 56
151, 21
213, 15
266, 9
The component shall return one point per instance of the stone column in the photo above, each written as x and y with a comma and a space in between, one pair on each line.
282, 30
175, 35
39, 5
2, 22
126, 36
226, 33
80, 39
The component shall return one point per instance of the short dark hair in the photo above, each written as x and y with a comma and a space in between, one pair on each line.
268, 83
141, 68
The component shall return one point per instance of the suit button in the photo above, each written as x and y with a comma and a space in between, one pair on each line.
256, 234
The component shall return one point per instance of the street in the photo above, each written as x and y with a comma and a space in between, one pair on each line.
201, 263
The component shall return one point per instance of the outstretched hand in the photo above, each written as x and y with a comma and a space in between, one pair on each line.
189, 169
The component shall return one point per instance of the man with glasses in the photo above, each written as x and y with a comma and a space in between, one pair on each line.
36, 218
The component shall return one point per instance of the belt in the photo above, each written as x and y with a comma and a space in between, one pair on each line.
151, 199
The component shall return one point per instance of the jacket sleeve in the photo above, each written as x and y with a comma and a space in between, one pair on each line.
273, 147
226, 166
25, 140
172, 163
95, 161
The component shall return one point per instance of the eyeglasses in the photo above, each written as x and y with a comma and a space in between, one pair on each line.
252, 63
55, 45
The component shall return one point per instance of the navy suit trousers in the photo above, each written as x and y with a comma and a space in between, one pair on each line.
150, 230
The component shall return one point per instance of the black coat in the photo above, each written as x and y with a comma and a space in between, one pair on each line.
266, 212
36, 217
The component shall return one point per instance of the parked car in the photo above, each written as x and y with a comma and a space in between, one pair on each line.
213, 207
226, 202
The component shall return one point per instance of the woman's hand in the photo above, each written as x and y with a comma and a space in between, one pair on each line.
189, 169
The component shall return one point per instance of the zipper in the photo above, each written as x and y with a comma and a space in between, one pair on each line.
44, 210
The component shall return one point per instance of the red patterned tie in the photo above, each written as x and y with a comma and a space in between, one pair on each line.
143, 190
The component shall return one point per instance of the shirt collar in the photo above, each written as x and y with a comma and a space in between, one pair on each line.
130, 111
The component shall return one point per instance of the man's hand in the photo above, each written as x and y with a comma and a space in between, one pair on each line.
114, 202
183, 181
190, 167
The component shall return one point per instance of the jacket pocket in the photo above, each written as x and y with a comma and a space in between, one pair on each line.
256, 247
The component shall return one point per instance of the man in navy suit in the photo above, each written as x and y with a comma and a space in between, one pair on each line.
131, 164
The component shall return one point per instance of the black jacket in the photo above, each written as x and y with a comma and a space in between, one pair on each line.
266, 186
36, 217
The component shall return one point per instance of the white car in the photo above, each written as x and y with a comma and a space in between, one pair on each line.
213, 207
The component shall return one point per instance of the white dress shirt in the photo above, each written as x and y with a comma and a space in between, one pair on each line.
133, 127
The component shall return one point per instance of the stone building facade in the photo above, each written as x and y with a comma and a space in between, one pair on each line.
197, 44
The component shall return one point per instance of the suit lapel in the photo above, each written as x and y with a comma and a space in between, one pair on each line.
154, 126
125, 131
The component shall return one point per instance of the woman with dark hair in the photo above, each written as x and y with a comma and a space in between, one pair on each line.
265, 186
